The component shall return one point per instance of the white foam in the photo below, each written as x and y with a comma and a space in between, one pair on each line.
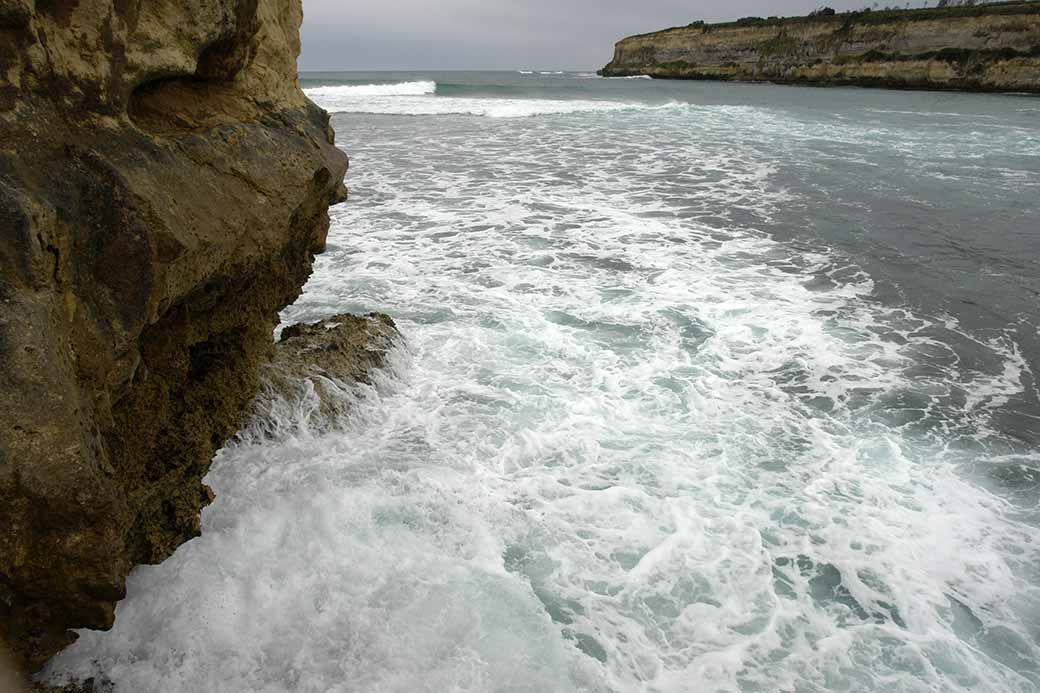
352, 91
488, 107
633, 444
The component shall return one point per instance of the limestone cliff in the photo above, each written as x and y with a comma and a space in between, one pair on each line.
980, 48
164, 184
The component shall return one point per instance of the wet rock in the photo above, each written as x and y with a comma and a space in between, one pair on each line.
316, 366
164, 185
345, 347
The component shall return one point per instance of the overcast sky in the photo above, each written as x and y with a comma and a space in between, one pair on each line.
502, 34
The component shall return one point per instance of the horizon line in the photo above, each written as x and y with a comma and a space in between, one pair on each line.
457, 69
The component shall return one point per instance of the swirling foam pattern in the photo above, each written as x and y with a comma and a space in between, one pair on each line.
635, 442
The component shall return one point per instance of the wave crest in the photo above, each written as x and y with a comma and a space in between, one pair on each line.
420, 88
491, 108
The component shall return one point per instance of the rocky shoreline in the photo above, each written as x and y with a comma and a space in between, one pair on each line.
164, 186
983, 48
314, 367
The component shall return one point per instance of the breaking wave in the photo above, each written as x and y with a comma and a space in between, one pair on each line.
351, 100
633, 443
353, 91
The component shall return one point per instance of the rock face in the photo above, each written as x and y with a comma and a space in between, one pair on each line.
345, 347
314, 364
164, 184
980, 48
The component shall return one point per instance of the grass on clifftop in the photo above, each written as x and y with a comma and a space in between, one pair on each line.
869, 17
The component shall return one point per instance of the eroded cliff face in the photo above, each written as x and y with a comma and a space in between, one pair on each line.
164, 185
982, 48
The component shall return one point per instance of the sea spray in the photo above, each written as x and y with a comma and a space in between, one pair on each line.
654, 430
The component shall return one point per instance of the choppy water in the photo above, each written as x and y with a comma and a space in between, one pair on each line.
706, 388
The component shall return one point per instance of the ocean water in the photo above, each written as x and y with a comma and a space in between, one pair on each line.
704, 387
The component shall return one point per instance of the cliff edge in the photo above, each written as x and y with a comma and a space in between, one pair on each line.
993, 47
164, 185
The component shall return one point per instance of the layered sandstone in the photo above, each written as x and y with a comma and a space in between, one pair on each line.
979, 48
164, 184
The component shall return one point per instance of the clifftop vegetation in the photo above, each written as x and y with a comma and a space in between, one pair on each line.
886, 15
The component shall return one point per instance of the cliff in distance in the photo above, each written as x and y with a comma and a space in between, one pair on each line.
992, 47
164, 185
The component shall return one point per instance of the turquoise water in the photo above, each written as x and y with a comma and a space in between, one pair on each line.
705, 387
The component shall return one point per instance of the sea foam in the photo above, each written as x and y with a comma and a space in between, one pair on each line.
348, 91
411, 99
633, 443
421, 99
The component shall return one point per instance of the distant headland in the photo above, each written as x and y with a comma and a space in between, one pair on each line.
991, 47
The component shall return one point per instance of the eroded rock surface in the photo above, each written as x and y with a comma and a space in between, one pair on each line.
315, 366
164, 184
974, 48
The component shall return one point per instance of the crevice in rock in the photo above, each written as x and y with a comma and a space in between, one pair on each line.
48, 248
207, 98
227, 56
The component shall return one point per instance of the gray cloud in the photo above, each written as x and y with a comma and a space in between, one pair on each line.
501, 34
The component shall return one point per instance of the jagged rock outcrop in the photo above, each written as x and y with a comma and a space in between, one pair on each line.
977, 48
315, 365
164, 184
